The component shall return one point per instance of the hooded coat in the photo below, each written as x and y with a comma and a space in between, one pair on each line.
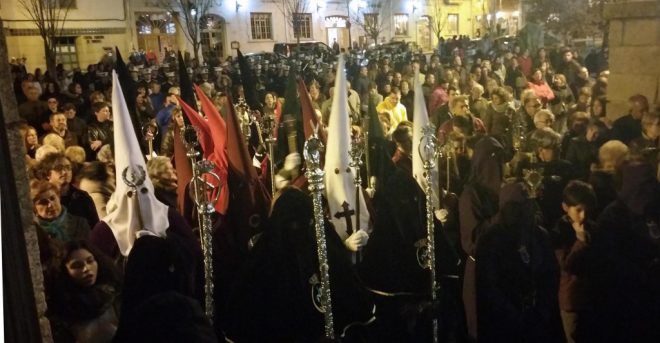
391, 264
273, 298
517, 277
478, 206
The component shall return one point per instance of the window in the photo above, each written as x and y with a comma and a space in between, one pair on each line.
261, 25
452, 24
212, 36
302, 25
371, 20
66, 53
155, 23
400, 24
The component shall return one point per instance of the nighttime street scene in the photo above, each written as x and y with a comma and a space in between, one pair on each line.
303, 171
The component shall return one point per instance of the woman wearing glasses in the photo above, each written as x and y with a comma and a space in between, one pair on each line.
56, 169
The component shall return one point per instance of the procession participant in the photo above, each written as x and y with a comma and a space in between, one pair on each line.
525, 307
478, 206
276, 294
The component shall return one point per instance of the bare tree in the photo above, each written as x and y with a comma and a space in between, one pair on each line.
569, 19
190, 14
437, 19
295, 12
49, 16
369, 19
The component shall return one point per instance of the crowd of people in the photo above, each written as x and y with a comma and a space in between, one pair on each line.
547, 229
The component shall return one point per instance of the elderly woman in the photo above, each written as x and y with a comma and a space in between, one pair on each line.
82, 304
57, 169
54, 225
51, 217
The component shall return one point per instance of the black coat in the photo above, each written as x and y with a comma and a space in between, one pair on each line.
627, 275
80, 204
517, 301
272, 298
581, 154
626, 129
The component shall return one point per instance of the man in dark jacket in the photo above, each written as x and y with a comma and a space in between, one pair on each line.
99, 132
629, 127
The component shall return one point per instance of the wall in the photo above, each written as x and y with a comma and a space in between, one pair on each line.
634, 47
105, 21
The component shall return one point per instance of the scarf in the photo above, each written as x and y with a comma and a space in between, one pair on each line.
54, 228
501, 108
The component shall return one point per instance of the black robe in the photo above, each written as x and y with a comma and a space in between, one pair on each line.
391, 266
272, 298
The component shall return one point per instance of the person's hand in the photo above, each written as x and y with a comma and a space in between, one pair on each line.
95, 145
356, 241
592, 134
442, 215
292, 161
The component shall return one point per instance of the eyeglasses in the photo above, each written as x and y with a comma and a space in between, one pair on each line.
62, 167
45, 201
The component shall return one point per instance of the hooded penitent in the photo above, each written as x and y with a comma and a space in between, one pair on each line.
339, 176
273, 300
133, 208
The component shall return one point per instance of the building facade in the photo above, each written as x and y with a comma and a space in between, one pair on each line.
94, 27
91, 27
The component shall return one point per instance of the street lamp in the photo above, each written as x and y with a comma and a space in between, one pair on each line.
192, 8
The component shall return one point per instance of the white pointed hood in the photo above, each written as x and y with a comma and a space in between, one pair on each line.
339, 186
126, 216
420, 120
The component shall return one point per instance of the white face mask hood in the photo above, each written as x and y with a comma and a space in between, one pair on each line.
133, 209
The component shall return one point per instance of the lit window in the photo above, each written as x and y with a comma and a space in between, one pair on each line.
400, 24
261, 25
452, 24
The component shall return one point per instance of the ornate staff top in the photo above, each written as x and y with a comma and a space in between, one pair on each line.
428, 147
